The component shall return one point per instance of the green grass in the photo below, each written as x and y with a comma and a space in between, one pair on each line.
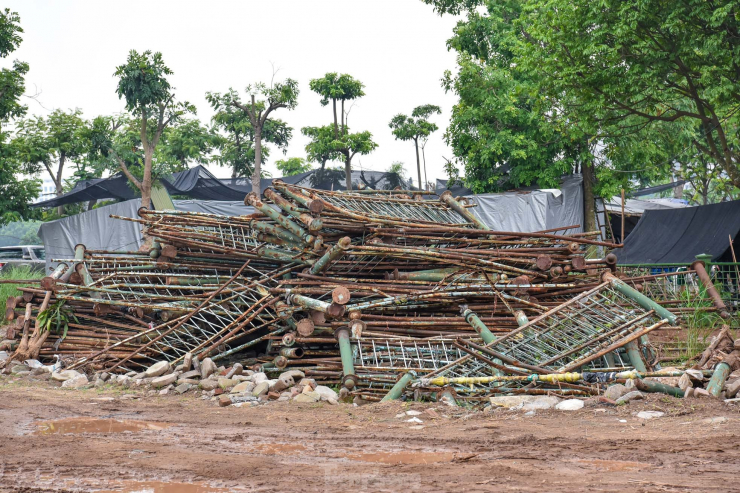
700, 325
8, 290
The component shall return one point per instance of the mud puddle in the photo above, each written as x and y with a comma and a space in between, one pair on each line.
280, 448
95, 425
614, 465
404, 457
161, 487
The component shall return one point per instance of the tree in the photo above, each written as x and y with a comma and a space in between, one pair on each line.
396, 175
292, 166
142, 82
235, 136
15, 194
334, 87
321, 148
51, 143
415, 127
276, 96
643, 64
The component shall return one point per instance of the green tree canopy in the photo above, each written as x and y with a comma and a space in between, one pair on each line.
416, 127
335, 87
143, 84
257, 113
15, 194
292, 166
235, 135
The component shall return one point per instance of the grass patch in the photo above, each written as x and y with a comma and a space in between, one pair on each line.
8, 290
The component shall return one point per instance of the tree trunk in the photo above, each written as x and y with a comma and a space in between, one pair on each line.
589, 208
58, 181
146, 182
91, 204
418, 162
424, 158
336, 125
257, 161
348, 170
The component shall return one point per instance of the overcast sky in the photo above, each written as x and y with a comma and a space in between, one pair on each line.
395, 47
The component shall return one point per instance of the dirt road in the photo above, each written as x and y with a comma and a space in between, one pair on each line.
185, 444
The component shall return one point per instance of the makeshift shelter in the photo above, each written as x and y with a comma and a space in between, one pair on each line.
679, 235
633, 211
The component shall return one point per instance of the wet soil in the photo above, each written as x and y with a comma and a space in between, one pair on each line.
167, 444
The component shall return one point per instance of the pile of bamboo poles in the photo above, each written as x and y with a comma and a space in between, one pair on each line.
354, 288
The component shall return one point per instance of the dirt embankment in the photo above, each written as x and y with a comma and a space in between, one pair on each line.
185, 444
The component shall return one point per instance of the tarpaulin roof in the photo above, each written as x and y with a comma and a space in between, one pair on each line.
638, 207
679, 235
200, 184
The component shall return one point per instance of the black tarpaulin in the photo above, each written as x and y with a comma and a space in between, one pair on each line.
679, 235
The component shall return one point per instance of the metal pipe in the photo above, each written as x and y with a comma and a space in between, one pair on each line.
717, 382
397, 391
450, 201
331, 255
699, 267
349, 379
638, 297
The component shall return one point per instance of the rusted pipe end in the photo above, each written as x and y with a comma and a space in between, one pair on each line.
305, 327
252, 199
355, 315
446, 196
315, 206
318, 317
578, 263
556, 271
289, 339
543, 262
335, 310
280, 361
699, 263
608, 277
143, 211
341, 295
344, 242
349, 381
48, 283
357, 327
574, 247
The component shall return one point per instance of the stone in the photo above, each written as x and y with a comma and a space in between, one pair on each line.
207, 368
307, 397
242, 378
732, 389
543, 402
196, 363
273, 396
283, 397
650, 414
685, 382
325, 393
191, 381
282, 383
165, 390
296, 375
333, 402
183, 387
359, 401
261, 389
4, 355
64, 375
208, 384
105, 376
224, 400
259, 377
235, 370
164, 380
630, 396
308, 382
190, 374
296, 390
511, 401
131, 374
187, 362
614, 392
218, 391
157, 369
718, 420
99, 382
33, 364
76, 382
143, 381
226, 383
137, 376
243, 387
38, 371
179, 369
239, 399
570, 405
412, 413
123, 381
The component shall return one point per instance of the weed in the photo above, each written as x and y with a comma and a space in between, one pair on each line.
8, 290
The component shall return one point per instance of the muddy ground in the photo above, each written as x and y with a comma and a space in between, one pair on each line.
184, 444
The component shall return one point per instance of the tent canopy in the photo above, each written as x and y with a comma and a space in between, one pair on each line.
679, 235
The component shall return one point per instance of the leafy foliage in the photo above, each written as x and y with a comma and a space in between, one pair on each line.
15, 194
56, 319
292, 166
415, 127
245, 125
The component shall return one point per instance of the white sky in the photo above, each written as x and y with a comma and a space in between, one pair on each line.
396, 47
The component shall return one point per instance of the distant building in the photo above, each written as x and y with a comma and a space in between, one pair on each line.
48, 190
